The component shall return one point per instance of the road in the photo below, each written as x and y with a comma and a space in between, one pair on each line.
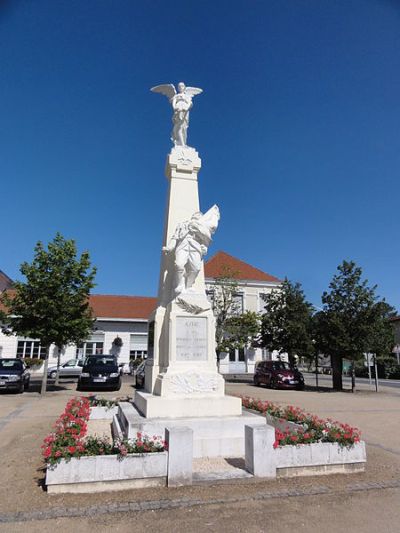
326, 381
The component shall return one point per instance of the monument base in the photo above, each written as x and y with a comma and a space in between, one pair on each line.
152, 406
213, 436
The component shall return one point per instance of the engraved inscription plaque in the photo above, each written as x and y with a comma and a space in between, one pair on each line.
191, 338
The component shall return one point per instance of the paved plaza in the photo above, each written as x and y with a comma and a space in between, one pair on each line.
365, 502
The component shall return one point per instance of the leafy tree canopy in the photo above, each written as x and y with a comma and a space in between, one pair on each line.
287, 321
52, 304
353, 320
241, 331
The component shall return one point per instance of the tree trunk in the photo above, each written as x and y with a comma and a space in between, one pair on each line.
292, 359
58, 365
218, 359
45, 367
337, 366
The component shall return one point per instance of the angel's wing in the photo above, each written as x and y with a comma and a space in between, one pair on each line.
211, 218
193, 91
167, 90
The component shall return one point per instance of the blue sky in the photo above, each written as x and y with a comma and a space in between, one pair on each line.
298, 130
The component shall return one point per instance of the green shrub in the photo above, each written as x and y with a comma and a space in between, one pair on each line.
32, 362
96, 401
135, 362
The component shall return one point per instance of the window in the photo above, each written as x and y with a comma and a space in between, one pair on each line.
138, 346
137, 354
89, 348
237, 303
265, 354
241, 354
237, 355
30, 349
210, 296
101, 361
11, 365
261, 301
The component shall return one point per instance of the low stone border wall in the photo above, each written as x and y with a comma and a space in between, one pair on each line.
319, 458
107, 472
263, 460
111, 472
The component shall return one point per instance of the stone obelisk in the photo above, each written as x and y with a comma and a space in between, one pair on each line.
181, 377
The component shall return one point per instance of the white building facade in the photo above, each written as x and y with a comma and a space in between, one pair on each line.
126, 317
252, 284
116, 316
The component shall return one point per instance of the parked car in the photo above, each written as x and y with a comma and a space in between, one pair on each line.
100, 371
14, 375
70, 369
139, 375
278, 374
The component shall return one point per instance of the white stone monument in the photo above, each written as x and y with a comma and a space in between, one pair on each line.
181, 371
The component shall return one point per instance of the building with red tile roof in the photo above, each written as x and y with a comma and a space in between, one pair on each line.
5, 281
222, 264
122, 307
127, 317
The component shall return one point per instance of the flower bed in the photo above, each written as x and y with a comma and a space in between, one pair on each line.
78, 463
313, 429
69, 440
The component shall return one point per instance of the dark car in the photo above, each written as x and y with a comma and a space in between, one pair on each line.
139, 375
100, 372
278, 374
14, 375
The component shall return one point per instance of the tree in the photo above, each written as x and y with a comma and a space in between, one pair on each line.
224, 306
241, 331
353, 320
381, 335
52, 305
287, 321
233, 328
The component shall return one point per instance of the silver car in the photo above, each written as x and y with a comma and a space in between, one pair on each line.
70, 369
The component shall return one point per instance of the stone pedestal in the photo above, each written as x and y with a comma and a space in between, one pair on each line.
181, 372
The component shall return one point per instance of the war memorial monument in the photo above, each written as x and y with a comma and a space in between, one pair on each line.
182, 383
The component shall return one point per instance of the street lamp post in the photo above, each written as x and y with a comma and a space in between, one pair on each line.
316, 364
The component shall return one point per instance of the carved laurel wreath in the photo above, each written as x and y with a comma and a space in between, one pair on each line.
190, 308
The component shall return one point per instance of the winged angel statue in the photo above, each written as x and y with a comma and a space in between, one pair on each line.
181, 102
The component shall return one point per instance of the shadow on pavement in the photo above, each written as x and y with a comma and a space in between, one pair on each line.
314, 388
36, 384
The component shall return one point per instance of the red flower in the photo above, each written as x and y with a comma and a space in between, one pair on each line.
72, 449
47, 452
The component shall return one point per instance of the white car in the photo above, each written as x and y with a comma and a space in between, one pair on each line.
70, 369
